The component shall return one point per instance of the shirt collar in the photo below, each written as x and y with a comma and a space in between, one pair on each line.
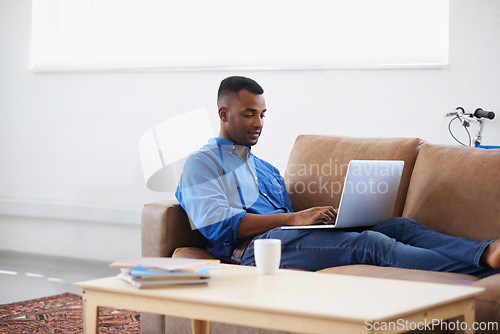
228, 145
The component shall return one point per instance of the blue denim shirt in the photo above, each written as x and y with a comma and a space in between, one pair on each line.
217, 188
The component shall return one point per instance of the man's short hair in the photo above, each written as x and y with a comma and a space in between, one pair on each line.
233, 85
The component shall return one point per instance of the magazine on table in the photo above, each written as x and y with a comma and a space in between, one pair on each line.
158, 272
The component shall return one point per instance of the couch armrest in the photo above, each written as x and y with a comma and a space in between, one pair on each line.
165, 227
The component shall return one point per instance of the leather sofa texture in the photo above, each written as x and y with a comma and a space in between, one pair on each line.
454, 190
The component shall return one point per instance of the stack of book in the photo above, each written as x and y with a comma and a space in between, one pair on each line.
154, 272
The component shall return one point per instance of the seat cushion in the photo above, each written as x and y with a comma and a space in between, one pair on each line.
193, 253
402, 274
488, 304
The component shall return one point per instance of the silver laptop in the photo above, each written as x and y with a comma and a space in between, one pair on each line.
368, 196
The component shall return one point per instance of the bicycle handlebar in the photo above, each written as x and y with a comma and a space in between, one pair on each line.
483, 113
465, 119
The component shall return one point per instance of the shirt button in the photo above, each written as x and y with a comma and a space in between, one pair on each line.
265, 195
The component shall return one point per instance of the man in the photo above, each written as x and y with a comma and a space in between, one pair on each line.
233, 197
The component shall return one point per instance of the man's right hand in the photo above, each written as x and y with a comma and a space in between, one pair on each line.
253, 224
314, 215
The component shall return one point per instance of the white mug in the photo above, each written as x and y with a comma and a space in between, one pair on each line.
267, 254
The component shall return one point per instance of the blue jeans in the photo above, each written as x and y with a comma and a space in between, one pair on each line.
396, 242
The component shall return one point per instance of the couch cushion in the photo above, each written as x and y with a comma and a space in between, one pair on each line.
402, 274
456, 190
193, 253
317, 166
489, 302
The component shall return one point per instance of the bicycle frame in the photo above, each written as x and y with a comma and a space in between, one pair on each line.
478, 145
477, 140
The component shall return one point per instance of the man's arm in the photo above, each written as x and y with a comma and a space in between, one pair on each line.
253, 224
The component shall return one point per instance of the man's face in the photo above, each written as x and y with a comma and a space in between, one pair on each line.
243, 119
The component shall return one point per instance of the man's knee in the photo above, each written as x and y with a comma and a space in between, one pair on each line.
394, 223
374, 241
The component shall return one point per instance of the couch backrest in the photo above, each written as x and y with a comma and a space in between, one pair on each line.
317, 166
456, 190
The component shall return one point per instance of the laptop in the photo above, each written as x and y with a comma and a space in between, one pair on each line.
368, 195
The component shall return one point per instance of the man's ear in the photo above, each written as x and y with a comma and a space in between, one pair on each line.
223, 114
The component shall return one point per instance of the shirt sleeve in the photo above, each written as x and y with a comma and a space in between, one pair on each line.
206, 194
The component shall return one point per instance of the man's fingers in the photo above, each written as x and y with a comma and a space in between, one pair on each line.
331, 212
328, 214
323, 214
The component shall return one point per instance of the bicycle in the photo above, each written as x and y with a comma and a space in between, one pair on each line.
466, 119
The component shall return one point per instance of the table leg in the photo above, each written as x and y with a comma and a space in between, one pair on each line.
201, 326
469, 317
90, 316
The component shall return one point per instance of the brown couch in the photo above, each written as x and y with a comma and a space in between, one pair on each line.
454, 190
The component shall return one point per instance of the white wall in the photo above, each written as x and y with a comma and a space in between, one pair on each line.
70, 176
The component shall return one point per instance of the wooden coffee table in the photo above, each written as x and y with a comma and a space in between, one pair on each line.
293, 301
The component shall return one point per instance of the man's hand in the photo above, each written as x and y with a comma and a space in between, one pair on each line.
315, 215
253, 224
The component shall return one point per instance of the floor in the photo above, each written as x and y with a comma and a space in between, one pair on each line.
25, 276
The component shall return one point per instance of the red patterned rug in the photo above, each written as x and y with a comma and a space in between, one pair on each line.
62, 314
